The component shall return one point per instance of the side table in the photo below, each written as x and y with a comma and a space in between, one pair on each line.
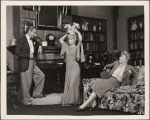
12, 88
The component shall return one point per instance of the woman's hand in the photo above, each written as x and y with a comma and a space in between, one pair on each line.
61, 40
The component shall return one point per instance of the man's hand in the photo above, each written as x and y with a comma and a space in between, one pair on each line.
104, 68
40, 49
130, 71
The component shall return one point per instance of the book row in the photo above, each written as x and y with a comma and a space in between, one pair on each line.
94, 47
136, 45
137, 35
93, 37
137, 54
137, 62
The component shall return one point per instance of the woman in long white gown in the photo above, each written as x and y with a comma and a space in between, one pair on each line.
72, 54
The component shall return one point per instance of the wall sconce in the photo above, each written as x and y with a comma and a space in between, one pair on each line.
66, 10
37, 9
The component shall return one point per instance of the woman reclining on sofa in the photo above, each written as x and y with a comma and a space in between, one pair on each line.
121, 74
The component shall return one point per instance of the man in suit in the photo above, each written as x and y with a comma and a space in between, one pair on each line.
121, 74
27, 50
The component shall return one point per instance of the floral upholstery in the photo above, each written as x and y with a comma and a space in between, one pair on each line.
130, 98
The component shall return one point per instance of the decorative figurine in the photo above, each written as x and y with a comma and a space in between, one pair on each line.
90, 56
100, 26
94, 28
85, 25
134, 26
141, 25
13, 41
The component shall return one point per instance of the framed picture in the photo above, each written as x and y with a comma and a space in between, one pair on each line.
30, 8
44, 18
25, 22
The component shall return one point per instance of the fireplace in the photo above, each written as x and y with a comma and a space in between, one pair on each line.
53, 67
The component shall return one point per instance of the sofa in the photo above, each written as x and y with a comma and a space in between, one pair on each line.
129, 98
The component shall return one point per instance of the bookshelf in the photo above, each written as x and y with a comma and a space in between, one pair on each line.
94, 34
136, 40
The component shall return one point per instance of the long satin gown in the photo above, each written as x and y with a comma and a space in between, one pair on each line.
72, 77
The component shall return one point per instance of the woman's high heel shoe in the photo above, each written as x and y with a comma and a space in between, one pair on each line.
93, 108
79, 109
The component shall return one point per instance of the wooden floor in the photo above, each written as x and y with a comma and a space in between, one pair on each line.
58, 110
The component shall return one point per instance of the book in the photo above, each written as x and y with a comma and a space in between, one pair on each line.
141, 45
86, 36
135, 45
101, 38
132, 36
91, 37
131, 46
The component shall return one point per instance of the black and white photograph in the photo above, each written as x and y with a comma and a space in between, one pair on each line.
75, 60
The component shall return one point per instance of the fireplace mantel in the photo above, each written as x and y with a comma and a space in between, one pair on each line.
50, 54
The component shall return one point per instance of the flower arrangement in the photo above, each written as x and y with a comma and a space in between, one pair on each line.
111, 55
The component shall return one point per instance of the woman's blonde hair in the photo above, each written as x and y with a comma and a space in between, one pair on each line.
67, 39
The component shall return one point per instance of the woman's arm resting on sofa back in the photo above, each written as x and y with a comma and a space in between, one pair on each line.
109, 65
133, 76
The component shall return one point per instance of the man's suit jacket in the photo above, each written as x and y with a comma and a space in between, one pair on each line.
127, 75
23, 52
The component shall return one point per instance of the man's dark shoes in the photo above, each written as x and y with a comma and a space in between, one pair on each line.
79, 109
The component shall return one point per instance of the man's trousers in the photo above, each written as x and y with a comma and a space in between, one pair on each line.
35, 74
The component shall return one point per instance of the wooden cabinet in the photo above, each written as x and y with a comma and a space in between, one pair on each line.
136, 40
54, 76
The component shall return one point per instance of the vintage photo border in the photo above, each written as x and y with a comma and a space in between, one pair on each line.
4, 4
